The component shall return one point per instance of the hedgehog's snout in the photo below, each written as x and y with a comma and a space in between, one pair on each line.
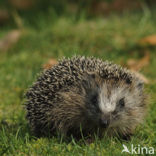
105, 120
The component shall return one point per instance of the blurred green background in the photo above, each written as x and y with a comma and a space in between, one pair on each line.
35, 33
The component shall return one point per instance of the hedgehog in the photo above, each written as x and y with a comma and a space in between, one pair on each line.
86, 95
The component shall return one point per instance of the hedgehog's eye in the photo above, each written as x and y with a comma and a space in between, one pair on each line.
121, 102
94, 99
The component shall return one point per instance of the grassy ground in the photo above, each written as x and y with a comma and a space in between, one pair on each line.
45, 36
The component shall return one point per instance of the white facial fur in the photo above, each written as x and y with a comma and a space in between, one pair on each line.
106, 104
110, 95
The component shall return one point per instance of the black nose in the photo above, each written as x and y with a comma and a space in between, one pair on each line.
104, 123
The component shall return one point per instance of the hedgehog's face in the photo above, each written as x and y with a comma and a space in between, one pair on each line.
117, 106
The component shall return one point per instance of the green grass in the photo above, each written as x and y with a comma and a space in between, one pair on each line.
113, 38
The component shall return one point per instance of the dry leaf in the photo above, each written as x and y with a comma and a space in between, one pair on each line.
22, 4
4, 16
149, 40
104, 7
9, 40
50, 63
136, 65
